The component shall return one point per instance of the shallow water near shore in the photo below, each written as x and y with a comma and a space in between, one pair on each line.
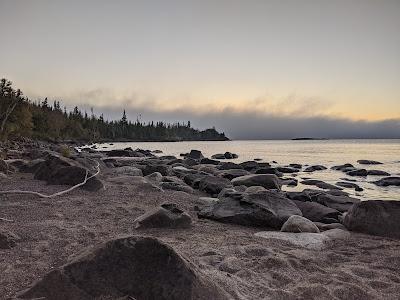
306, 152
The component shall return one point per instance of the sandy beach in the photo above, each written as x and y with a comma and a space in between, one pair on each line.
53, 231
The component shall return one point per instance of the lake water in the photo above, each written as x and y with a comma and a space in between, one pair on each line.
284, 152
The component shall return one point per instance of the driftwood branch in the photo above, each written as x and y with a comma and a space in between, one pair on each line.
58, 193
6, 220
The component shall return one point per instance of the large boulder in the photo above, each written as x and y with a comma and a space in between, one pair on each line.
74, 175
299, 224
340, 203
317, 212
195, 154
375, 217
52, 163
268, 181
213, 185
261, 209
165, 216
126, 268
388, 181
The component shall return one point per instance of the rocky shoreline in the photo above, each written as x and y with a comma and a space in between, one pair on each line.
229, 228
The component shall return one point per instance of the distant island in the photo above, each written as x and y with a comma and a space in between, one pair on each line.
21, 117
308, 139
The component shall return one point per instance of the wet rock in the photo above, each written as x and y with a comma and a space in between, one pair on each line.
126, 268
377, 173
230, 174
261, 209
166, 216
350, 185
8, 239
229, 155
213, 185
195, 154
388, 181
357, 172
368, 162
317, 212
299, 224
267, 181
315, 168
320, 184
375, 217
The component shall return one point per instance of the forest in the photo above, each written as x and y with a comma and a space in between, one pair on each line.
48, 120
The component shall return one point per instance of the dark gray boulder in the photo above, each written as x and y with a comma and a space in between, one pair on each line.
368, 162
267, 181
195, 154
317, 212
296, 166
166, 216
388, 181
52, 163
213, 185
340, 203
261, 209
375, 217
176, 186
120, 153
127, 268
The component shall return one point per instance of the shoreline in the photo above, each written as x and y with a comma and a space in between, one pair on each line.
241, 264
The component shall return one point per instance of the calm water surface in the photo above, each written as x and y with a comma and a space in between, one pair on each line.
325, 152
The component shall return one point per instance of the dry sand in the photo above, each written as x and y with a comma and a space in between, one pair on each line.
246, 266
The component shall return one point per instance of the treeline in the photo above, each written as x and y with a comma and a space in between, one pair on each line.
20, 117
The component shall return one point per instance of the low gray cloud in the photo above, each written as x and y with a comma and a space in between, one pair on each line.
256, 125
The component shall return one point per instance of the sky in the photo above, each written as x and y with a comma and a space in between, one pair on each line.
253, 69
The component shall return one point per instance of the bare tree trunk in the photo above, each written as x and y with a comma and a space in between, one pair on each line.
8, 112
